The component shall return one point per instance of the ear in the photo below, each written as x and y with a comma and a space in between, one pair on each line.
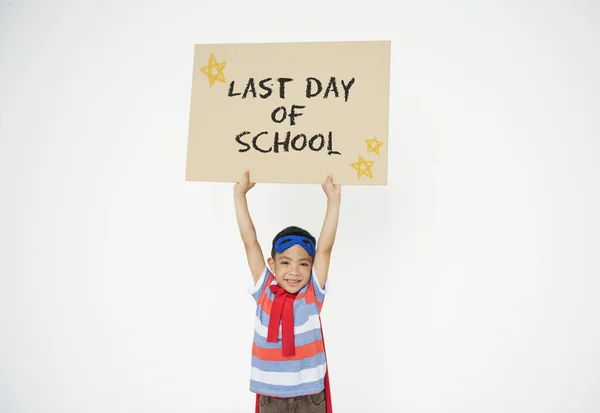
271, 263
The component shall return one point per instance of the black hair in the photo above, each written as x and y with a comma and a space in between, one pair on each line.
292, 231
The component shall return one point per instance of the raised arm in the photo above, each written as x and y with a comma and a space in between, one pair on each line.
256, 260
330, 224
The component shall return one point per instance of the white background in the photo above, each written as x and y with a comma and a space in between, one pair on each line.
469, 284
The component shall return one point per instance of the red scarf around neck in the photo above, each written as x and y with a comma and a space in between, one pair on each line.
282, 311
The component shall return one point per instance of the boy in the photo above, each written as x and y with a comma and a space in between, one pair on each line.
289, 366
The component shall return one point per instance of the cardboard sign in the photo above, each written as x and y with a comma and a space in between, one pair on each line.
290, 112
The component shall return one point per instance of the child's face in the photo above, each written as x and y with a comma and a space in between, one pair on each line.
292, 268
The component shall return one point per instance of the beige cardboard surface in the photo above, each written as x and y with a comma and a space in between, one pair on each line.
252, 107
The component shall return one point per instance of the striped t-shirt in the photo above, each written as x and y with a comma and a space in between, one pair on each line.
273, 374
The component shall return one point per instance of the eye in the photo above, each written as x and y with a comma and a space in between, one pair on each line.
284, 263
304, 264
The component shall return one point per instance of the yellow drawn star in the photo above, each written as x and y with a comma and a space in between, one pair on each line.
363, 167
209, 70
373, 145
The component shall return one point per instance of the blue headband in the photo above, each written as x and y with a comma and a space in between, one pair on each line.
288, 241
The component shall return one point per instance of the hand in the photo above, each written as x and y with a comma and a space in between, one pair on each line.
242, 187
333, 191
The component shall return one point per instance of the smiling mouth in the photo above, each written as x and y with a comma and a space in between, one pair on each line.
293, 282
